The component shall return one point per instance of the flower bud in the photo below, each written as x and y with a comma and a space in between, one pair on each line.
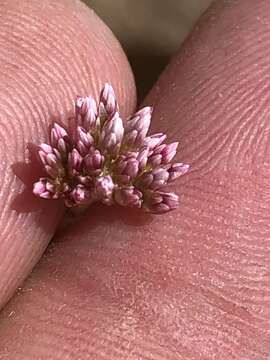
163, 154
160, 202
84, 141
78, 196
142, 157
176, 170
108, 105
137, 127
127, 168
112, 134
128, 196
74, 162
60, 139
86, 112
154, 179
45, 189
94, 162
51, 160
155, 140
104, 187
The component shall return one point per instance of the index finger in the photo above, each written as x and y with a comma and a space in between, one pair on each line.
49, 55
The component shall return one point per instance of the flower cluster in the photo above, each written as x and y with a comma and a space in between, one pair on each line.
109, 161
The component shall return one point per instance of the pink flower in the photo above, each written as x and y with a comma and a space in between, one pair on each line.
109, 160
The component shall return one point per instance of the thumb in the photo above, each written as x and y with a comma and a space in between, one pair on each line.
49, 54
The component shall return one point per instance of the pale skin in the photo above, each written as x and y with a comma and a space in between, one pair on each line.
190, 285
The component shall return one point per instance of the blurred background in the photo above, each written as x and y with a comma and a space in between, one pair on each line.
150, 31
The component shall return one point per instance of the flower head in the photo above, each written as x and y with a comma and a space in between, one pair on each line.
109, 160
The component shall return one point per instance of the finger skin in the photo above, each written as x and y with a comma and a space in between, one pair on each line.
50, 53
195, 284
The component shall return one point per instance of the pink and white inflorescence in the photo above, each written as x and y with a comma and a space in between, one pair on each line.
109, 160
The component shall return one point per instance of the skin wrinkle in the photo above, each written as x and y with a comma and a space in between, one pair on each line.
193, 285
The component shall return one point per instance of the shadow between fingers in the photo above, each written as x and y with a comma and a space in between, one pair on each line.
98, 214
26, 202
